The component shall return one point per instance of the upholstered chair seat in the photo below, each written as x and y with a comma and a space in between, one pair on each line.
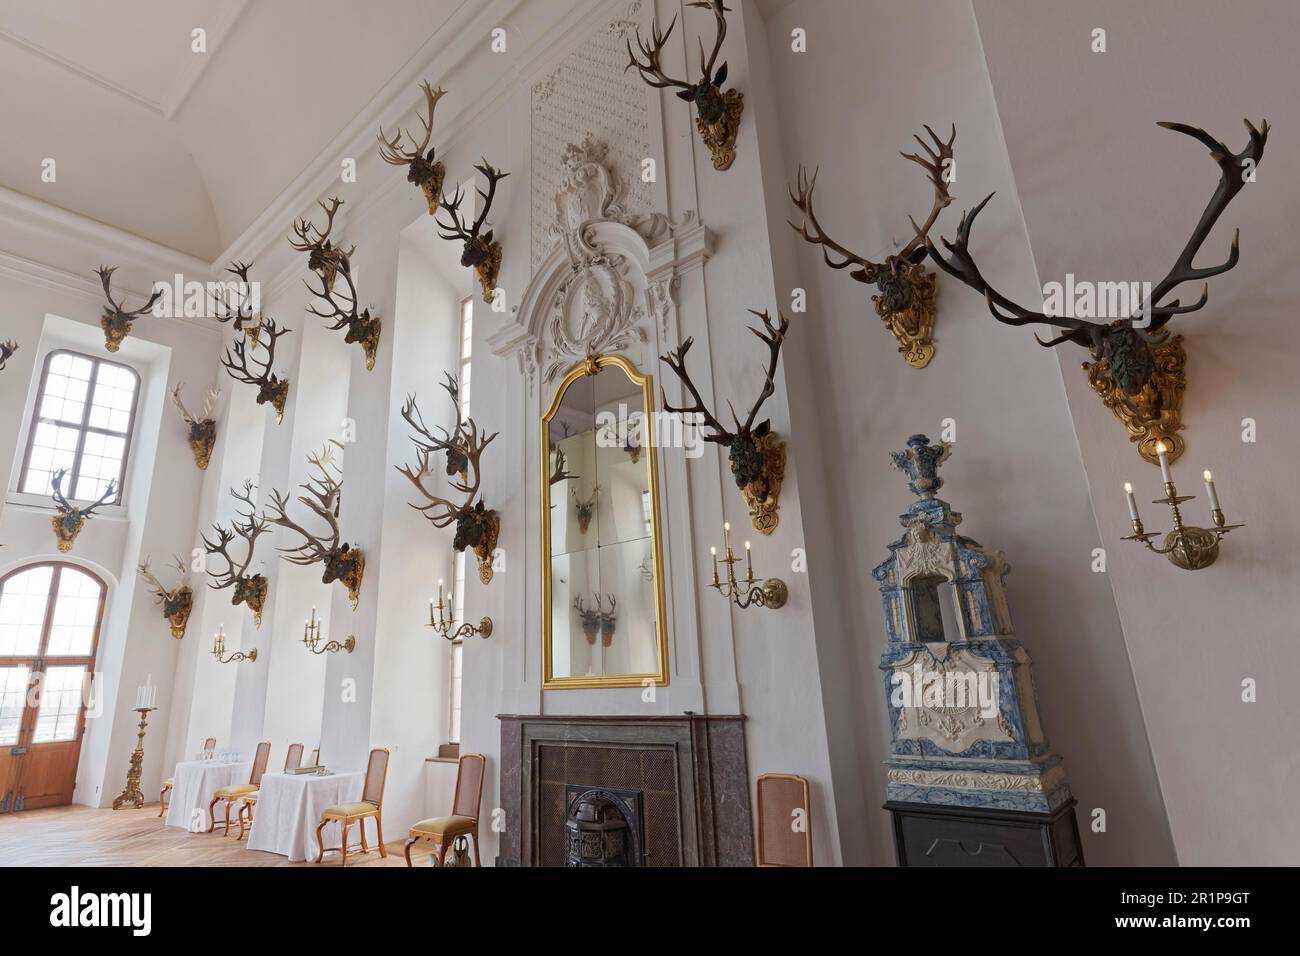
444, 828
349, 811
238, 791
233, 791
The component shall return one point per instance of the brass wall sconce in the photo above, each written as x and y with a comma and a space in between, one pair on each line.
446, 626
1189, 547
219, 650
771, 593
311, 639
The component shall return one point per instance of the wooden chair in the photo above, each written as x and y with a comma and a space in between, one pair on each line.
370, 805
315, 758
292, 761
463, 822
209, 745
236, 791
783, 799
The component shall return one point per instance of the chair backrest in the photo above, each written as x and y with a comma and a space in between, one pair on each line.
260, 760
293, 759
469, 785
210, 744
315, 758
376, 776
784, 821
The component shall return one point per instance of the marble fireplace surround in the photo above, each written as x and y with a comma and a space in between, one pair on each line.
714, 825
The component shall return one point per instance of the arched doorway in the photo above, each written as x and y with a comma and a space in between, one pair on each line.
50, 616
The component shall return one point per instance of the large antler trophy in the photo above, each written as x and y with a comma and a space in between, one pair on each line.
340, 560
70, 519
757, 456
202, 427
248, 526
339, 307
905, 291
481, 252
717, 112
477, 527
7, 350
1137, 368
242, 362
424, 171
176, 602
236, 304
116, 320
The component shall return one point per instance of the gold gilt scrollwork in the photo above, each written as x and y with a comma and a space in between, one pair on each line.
1155, 413
913, 327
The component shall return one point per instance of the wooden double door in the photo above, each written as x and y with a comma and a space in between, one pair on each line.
50, 616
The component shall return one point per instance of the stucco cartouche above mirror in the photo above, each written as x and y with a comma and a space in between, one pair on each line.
603, 619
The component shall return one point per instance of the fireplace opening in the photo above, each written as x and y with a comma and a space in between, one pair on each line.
603, 827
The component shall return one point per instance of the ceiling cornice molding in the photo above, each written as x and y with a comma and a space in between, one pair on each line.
24, 212
80, 71
217, 37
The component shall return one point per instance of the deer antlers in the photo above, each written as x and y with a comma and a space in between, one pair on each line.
322, 499
247, 526
457, 229
468, 440
424, 172
236, 305
161, 591
1125, 345
209, 405
324, 257
7, 349
116, 320
362, 327
68, 508
270, 387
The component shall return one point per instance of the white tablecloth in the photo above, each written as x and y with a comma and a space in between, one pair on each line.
289, 807
194, 783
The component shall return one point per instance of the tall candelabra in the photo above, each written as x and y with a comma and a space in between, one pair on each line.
132, 794
771, 593
1187, 546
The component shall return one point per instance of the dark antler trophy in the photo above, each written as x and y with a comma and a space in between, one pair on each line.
477, 527
757, 455
116, 320
1136, 367
590, 618
341, 561
236, 304
905, 291
71, 519
248, 526
270, 387
176, 602
362, 328
481, 251
584, 508
323, 256
717, 112
202, 427
424, 171
7, 349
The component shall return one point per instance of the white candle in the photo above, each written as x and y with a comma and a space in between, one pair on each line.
726, 536
1132, 502
1163, 454
714, 552
1209, 490
749, 562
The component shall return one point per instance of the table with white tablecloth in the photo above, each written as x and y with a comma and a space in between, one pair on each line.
289, 807
193, 785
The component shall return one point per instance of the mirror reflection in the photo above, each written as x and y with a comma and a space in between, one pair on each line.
604, 599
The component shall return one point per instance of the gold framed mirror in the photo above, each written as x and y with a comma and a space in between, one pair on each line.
603, 618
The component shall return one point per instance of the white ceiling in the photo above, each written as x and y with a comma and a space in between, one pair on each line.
184, 148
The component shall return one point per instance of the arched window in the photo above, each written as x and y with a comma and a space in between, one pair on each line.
50, 618
82, 422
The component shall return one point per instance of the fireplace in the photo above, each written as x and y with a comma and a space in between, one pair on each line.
625, 791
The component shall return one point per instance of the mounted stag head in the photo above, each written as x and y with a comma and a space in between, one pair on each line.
116, 320
1136, 367
481, 251
757, 456
176, 602
584, 508
341, 561
717, 113
71, 519
236, 305
477, 527
590, 618
270, 387
362, 327
607, 620
905, 291
323, 257
7, 350
202, 427
248, 526
424, 171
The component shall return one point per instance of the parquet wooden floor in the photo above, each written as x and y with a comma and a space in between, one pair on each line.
81, 836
